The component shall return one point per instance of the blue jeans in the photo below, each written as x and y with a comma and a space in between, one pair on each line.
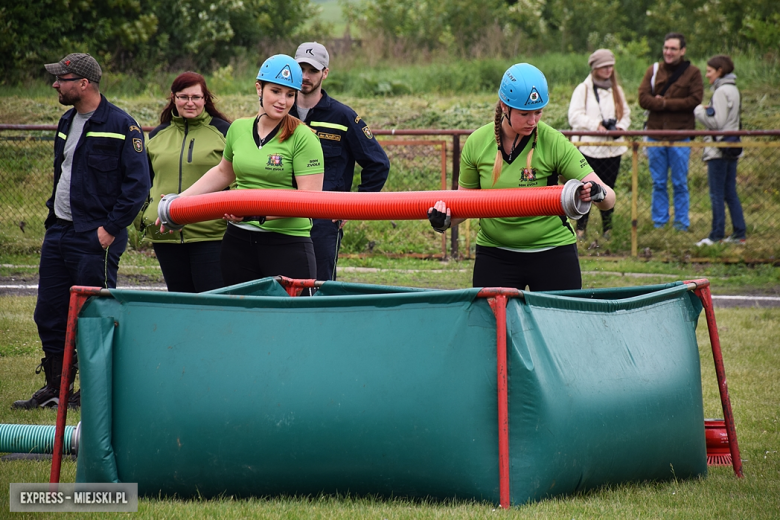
722, 174
661, 159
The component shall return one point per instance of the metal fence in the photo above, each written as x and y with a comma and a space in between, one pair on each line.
423, 160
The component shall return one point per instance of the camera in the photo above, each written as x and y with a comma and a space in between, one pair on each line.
609, 124
710, 110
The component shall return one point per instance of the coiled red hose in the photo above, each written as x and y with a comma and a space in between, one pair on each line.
408, 205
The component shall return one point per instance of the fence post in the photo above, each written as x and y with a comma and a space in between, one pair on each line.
634, 195
455, 174
444, 187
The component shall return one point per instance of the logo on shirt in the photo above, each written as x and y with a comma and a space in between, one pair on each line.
528, 175
138, 145
274, 160
367, 131
534, 98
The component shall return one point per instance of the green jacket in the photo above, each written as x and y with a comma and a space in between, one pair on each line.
180, 152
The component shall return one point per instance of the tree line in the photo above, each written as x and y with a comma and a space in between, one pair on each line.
142, 36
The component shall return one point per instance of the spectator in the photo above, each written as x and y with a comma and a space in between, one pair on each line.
608, 110
273, 150
345, 139
188, 143
669, 92
101, 180
517, 149
723, 113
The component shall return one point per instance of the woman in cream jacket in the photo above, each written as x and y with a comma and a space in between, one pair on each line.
599, 104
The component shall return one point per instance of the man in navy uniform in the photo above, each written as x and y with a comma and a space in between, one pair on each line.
345, 139
101, 180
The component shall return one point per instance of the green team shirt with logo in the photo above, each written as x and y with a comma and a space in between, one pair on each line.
554, 155
273, 166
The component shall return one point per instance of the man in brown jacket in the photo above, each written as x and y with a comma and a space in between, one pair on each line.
669, 92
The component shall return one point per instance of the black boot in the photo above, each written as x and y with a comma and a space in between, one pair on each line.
74, 400
49, 395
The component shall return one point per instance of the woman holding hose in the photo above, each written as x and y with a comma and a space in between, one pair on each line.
517, 150
270, 151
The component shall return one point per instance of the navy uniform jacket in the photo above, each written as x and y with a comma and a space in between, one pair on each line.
110, 172
345, 138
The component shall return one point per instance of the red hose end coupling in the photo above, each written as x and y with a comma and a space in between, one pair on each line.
164, 212
574, 208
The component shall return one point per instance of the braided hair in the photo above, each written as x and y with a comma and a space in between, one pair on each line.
499, 162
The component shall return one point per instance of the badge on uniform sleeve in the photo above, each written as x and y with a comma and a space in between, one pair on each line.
138, 145
367, 131
133, 127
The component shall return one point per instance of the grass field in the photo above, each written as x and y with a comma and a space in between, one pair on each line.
443, 96
752, 361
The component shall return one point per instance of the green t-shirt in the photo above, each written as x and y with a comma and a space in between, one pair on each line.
273, 166
554, 155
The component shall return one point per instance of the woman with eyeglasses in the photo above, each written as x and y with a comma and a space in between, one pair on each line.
188, 143
517, 150
272, 150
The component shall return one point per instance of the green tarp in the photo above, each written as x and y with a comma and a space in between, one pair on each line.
389, 391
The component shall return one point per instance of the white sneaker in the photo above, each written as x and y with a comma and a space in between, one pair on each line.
705, 242
733, 240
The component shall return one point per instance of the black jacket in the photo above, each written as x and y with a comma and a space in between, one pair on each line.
345, 139
110, 172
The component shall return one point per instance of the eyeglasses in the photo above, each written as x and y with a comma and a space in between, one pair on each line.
63, 80
185, 99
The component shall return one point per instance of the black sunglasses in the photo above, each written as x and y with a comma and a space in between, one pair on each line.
63, 80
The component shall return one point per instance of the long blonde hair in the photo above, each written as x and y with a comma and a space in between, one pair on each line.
616, 97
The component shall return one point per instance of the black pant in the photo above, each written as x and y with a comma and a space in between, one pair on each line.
191, 267
607, 169
68, 258
556, 269
326, 236
251, 255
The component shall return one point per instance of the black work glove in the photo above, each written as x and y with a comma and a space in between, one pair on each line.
597, 192
439, 221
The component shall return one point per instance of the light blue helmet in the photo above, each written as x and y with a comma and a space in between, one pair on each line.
282, 70
524, 87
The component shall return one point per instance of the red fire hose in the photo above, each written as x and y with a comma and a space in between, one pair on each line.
409, 205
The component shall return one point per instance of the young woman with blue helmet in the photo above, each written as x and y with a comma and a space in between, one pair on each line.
273, 150
517, 150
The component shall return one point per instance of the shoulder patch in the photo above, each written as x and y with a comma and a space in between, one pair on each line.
367, 131
357, 119
138, 145
133, 127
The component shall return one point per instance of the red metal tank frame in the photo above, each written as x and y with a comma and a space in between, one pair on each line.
497, 299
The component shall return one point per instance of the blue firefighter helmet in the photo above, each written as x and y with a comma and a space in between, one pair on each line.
282, 70
524, 87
